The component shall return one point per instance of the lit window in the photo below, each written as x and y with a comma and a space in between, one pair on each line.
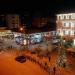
62, 17
66, 24
72, 24
72, 32
66, 32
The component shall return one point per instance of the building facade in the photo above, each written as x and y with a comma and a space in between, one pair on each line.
40, 22
2, 21
13, 21
66, 23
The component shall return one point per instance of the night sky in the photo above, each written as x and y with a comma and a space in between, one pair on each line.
36, 8
30, 7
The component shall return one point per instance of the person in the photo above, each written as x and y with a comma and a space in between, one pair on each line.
45, 63
64, 64
54, 70
49, 58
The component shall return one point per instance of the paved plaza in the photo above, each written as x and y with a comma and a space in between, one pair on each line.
9, 66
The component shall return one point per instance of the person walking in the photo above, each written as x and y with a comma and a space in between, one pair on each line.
49, 58
54, 70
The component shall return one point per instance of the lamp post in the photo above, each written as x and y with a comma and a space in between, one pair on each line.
62, 58
22, 31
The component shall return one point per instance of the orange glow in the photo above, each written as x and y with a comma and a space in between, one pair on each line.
11, 67
21, 29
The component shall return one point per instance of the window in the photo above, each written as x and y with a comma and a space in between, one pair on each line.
70, 24
64, 17
66, 24
13, 16
69, 16
72, 32
13, 23
69, 32
59, 17
58, 31
13, 20
66, 32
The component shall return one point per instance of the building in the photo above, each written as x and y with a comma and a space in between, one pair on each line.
13, 21
65, 23
2, 21
40, 22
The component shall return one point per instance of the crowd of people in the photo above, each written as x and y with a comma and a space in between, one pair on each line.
43, 65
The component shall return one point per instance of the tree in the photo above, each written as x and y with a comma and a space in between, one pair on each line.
68, 43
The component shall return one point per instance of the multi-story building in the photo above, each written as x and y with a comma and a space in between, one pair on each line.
2, 21
13, 21
65, 23
40, 22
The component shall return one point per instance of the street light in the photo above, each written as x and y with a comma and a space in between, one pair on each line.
21, 29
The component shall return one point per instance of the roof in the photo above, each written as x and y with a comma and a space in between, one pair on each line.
66, 10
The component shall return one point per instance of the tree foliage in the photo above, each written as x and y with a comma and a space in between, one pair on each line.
68, 43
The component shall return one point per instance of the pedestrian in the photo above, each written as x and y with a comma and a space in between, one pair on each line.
54, 70
49, 70
64, 64
49, 58
45, 63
